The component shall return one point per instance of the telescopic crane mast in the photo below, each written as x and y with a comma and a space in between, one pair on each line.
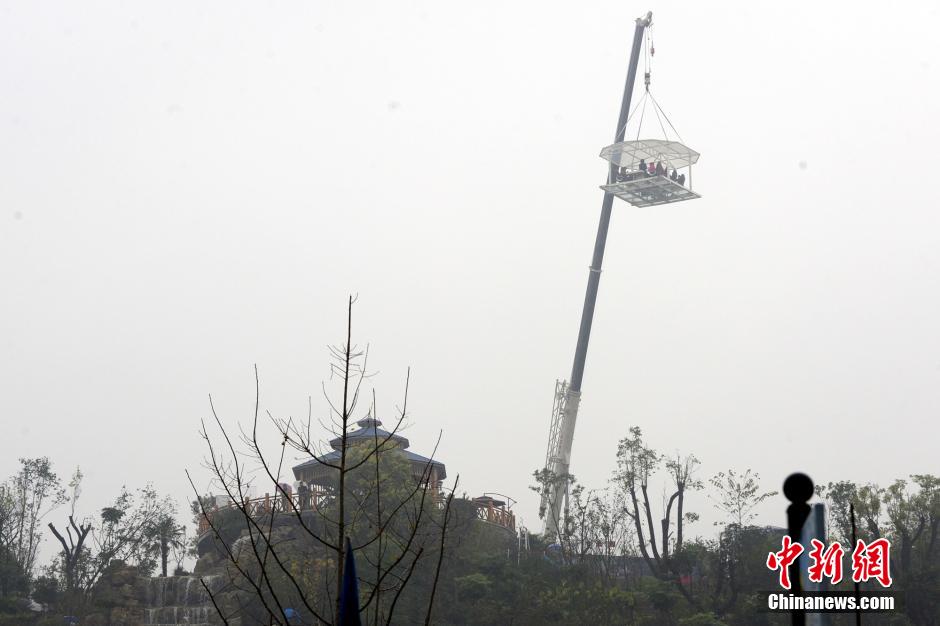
568, 394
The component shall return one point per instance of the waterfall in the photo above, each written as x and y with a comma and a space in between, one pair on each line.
180, 600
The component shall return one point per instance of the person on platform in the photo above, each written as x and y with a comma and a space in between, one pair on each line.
286, 492
303, 493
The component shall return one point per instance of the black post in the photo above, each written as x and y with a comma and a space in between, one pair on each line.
798, 489
858, 604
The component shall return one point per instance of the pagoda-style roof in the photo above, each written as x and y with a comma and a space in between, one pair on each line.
371, 432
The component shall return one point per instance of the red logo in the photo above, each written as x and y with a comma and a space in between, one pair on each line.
869, 561
872, 561
825, 562
782, 560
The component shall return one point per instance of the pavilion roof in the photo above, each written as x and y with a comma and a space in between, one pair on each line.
370, 430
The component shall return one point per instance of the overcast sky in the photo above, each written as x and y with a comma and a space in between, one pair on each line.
188, 189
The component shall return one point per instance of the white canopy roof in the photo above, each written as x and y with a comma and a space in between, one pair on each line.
628, 153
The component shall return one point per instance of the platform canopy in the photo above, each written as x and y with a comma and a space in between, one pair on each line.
629, 153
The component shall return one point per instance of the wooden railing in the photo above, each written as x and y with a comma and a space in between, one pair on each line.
496, 515
267, 504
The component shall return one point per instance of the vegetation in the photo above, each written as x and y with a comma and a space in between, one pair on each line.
624, 556
132, 529
390, 514
596, 573
907, 512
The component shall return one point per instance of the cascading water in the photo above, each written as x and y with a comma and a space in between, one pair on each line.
180, 600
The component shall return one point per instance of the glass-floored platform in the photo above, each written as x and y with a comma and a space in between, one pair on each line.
640, 188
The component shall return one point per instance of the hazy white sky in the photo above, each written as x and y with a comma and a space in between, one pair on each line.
190, 188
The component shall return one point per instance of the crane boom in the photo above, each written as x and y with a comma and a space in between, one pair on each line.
568, 394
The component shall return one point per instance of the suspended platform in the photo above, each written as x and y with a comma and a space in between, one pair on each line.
634, 177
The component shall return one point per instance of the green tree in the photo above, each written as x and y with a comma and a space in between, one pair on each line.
126, 530
545, 483
163, 533
25, 499
907, 513
636, 464
737, 495
46, 589
14, 583
841, 497
14, 580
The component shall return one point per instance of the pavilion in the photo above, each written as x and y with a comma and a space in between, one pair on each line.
319, 472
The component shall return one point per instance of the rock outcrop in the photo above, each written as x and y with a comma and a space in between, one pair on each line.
123, 597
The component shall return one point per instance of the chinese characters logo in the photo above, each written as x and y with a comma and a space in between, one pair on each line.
870, 561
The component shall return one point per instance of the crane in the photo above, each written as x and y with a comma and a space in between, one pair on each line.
628, 179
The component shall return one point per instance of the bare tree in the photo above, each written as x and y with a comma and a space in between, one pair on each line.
288, 552
613, 536
596, 529
73, 550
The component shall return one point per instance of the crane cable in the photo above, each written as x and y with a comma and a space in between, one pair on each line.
649, 50
649, 53
640, 125
642, 103
659, 119
667, 119
646, 74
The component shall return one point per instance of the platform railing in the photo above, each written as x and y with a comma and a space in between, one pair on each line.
486, 511
266, 504
496, 515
